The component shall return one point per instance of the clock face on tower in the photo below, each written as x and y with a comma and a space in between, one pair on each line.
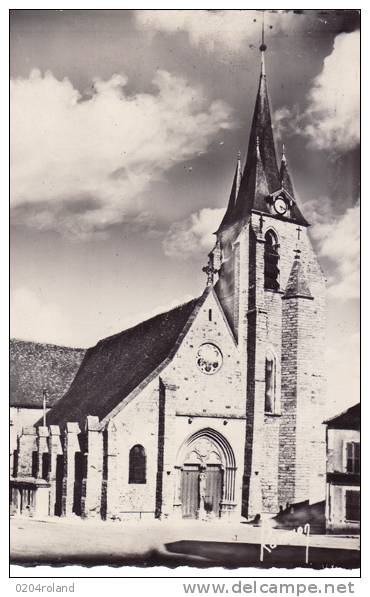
280, 205
209, 358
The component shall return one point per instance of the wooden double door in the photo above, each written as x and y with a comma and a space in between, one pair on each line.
201, 490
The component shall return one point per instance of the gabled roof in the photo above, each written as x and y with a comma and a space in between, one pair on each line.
117, 365
349, 419
35, 366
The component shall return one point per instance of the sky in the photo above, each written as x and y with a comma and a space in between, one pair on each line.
125, 126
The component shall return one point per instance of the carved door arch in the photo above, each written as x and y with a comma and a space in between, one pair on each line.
207, 475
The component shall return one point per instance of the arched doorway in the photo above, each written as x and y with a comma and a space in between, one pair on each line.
206, 475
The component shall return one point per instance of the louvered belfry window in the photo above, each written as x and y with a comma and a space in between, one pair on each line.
137, 465
271, 261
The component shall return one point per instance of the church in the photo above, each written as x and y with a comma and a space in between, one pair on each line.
214, 409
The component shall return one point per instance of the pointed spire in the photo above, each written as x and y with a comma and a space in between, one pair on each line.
262, 128
261, 176
258, 153
254, 186
285, 179
261, 189
234, 191
286, 184
297, 285
263, 66
283, 156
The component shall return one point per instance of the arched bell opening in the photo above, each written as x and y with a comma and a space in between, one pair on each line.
271, 261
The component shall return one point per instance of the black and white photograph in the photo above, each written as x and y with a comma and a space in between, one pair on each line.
185, 290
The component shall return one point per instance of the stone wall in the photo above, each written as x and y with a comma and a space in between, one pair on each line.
182, 401
278, 457
137, 423
296, 336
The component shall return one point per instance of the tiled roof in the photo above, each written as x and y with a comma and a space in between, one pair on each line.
35, 367
349, 419
117, 365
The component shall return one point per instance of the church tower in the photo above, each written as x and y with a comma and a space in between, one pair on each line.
272, 290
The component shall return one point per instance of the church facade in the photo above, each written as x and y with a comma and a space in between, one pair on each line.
213, 409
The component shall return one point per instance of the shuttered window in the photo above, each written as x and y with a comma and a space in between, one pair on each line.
353, 457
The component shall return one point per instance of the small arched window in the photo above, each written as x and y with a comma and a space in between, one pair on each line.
271, 261
137, 465
270, 383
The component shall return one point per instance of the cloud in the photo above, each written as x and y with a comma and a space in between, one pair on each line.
36, 319
33, 318
80, 164
331, 120
286, 122
213, 30
343, 368
194, 235
339, 242
334, 101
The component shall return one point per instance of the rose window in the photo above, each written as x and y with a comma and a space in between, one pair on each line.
209, 358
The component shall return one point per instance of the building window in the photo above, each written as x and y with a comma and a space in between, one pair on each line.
271, 261
35, 463
270, 383
353, 457
45, 466
137, 465
353, 506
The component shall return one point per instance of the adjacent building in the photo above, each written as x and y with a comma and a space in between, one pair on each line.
343, 472
40, 374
